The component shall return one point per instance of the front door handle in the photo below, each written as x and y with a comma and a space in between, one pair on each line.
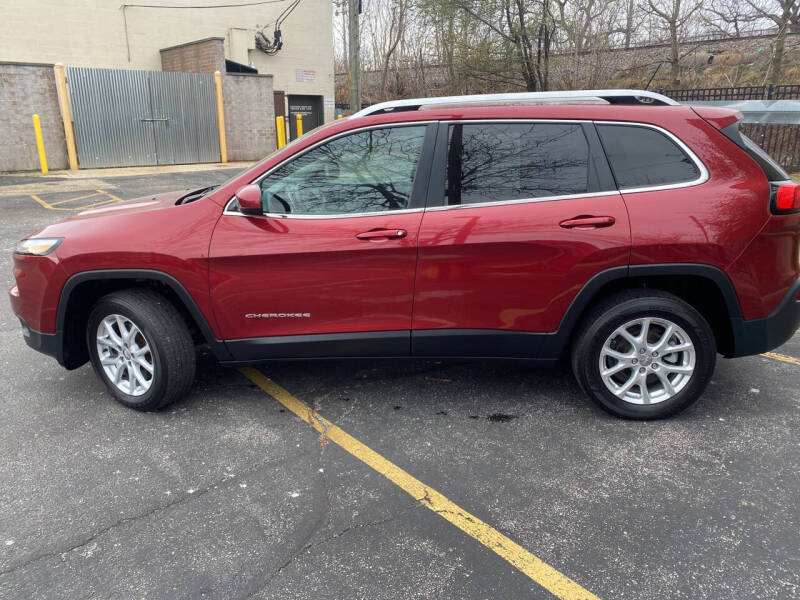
587, 222
382, 234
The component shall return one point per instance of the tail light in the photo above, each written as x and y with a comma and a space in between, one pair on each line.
786, 198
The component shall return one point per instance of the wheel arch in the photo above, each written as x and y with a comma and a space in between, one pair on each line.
82, 290
705, 287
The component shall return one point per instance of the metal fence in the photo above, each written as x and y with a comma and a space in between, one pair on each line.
782, 142
133, 118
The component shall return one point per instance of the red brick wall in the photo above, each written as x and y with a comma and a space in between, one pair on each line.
203, 56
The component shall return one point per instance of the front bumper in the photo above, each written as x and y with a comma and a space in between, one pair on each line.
46, 343
755, 336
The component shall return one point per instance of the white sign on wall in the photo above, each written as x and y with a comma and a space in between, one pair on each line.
305, 75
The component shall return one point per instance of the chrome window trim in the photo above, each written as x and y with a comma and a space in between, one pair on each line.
524, 201
402, 211
704, 176
233, 213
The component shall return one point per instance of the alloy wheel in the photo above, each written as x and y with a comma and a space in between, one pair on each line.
647, 360
125, 355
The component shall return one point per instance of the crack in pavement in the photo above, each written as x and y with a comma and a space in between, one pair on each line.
323, 519
310, 547
149, 513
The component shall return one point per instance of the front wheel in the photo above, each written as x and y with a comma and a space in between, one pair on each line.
141, 348
644, 354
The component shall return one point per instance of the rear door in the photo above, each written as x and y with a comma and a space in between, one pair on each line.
521, 215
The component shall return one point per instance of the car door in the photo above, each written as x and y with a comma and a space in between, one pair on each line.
328, 270
520, 216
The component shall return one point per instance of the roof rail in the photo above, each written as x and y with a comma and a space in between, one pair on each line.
641, 97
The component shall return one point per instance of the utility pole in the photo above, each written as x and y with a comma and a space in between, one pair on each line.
354, 55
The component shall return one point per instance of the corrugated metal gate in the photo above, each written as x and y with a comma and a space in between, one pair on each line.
133, 118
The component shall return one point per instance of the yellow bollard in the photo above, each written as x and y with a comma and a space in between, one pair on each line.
299, 125
280, 126
66, 114
37, 128
223, 144
340, 115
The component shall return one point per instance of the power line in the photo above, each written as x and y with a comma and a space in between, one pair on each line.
125, 6
271, 47
237, 5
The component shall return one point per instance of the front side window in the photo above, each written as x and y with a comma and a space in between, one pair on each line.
364, 172
642, 157
494, 162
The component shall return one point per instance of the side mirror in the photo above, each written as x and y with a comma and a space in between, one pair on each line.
249, 199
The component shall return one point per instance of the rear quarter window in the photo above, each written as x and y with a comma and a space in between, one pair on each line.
772, 169
645, 157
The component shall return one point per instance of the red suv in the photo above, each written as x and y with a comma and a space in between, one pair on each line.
636, 236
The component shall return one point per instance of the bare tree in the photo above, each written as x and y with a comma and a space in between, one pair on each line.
674, 16
630, 11
587, 29
784, 14
384, 30
444, 47
729, 18
527, 26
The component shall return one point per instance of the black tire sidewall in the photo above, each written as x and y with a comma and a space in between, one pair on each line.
698, 330
109, 306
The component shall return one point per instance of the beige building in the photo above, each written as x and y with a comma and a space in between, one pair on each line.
103, 33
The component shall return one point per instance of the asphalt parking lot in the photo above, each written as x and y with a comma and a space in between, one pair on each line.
229, 494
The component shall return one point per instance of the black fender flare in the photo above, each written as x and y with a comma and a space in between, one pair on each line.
217, 346
590, 289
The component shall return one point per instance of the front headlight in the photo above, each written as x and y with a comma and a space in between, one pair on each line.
37, 246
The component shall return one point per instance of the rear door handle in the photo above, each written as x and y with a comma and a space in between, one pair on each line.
381, 234
587, 222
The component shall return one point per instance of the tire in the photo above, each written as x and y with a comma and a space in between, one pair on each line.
163, 341
603, 333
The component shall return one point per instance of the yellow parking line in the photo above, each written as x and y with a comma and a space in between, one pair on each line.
40, 201
543, 574
95, 204
55, 205
782, 357
92, 195
112, 196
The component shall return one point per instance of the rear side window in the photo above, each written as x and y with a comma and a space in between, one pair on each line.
493, 162
643, 157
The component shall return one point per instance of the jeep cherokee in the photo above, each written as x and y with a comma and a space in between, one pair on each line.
634, 236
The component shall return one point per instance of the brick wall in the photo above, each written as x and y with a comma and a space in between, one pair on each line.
26, 89
202, 56
249, 115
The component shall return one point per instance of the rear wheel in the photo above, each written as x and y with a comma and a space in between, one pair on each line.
644, 354
141, 348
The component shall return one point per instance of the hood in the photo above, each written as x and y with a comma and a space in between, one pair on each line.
136, 205
139, 212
